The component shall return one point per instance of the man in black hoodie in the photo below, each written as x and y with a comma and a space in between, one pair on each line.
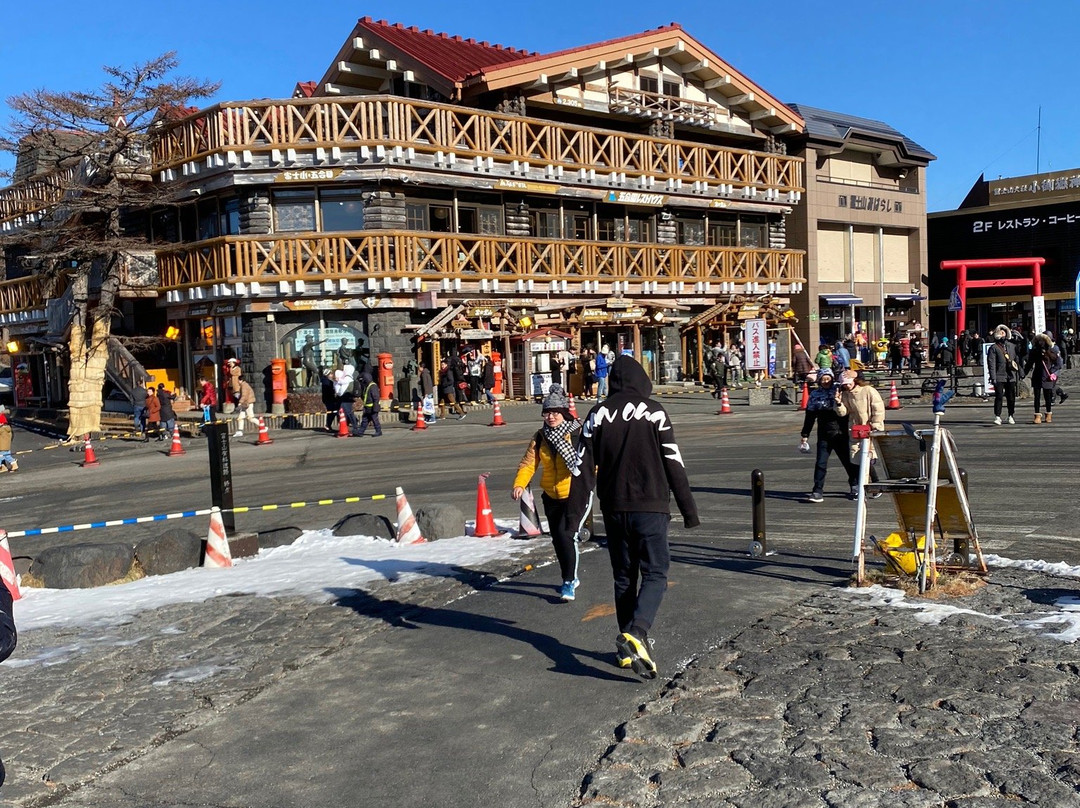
628, 453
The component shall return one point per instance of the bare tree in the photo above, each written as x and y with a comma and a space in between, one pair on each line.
85, 157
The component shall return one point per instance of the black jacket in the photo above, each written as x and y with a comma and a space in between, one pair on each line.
166, 398
628, 452
1002, 364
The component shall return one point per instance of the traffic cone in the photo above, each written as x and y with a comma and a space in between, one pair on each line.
342, 424
529, 521
421, 421
805, 396
408, 532
725, 403
7, 567
894, 399
217, 543
177, 448
498, 420
485, 522
264, 434
573, 409
89, 458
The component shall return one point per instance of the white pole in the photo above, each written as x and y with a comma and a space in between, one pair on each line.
927, 558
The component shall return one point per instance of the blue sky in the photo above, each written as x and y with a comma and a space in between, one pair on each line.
963, 78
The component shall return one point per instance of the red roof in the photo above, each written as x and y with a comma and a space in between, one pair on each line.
536, 57
304, 89
452, 57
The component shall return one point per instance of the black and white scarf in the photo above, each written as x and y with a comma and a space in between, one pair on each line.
556, 436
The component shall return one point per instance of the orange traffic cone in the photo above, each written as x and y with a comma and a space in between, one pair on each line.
573, 409
485, 522
7, 567
89, 458
421, 421
805, 395
894, 399
498, 420
725, 403
342, 424
217, 543
264, 433
529, 521
177, 448
408, 532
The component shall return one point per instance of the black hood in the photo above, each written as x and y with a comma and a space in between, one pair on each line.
628, 376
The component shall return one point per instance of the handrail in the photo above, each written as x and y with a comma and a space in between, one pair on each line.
21, 294
429, 257
429, 127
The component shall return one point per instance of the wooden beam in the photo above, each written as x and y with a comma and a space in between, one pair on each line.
353, 69
722, 81
736, 100
693, 67
762, 113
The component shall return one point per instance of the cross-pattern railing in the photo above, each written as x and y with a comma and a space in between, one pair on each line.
434, 256
21, 294
639, 102
427, 127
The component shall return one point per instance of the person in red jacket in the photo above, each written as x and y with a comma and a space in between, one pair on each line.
208, 400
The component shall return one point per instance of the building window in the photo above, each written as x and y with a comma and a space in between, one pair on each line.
690, 231
609, 228
639, 228
230, 217
723, 234
648, 84
294, 211
545, 223
577, 226
753, 234
341, 210
672, 88
416, 217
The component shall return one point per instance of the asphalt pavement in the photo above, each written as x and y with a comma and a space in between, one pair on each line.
778, 685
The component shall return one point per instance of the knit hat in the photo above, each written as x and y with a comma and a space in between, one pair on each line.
825, 372
556, 399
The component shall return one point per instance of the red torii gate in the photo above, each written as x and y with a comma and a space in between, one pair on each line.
1035, 282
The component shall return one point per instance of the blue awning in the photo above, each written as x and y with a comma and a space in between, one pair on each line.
911, 296
842, 300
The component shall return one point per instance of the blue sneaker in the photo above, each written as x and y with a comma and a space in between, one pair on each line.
568, 589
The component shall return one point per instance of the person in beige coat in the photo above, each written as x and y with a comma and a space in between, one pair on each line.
864, 406
245, 409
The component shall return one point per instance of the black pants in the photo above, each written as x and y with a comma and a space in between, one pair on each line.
566, 549
840, 445
1047, 397
638, 547
372, 417
1006, 390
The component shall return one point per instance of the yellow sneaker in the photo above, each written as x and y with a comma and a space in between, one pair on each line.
638, 652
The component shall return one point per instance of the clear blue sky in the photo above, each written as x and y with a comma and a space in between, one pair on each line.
963, 78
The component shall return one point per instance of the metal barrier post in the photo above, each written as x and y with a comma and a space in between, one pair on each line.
759, 545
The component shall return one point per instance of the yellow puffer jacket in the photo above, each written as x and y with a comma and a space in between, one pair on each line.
555, 478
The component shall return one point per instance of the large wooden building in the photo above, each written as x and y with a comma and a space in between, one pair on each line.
432, 193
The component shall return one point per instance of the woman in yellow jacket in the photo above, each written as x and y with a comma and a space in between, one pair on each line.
552, 447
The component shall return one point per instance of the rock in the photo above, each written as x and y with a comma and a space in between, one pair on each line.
81, 566
440, 522
279, 537
174, 550
365, 524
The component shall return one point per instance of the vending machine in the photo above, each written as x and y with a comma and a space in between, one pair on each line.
535, 352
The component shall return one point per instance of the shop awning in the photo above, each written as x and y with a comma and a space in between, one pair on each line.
841, 300
909, 296
439, 320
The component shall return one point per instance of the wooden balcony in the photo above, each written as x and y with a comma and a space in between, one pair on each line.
35, 194
432, 257
21, 295
664, 107
429, 128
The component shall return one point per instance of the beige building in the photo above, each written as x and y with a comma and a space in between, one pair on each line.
863, 226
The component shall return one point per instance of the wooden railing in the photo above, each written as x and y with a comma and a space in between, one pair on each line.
427, 127
434, 256
34, 194
660, 105
21, 294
